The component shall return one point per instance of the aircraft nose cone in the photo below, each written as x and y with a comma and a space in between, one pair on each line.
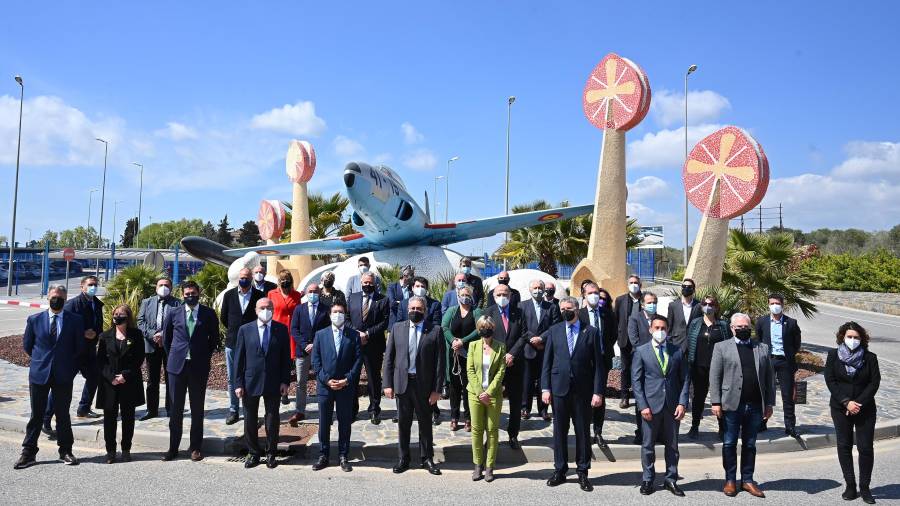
349, 177
350, 172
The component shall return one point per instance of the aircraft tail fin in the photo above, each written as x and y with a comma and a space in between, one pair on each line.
427, 207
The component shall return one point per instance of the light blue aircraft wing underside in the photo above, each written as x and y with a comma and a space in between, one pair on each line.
350, 244
446, 233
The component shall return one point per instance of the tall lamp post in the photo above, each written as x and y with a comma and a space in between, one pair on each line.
87, 233
436, 179
509, 103
115, 211
447, 198
690, 71
12, 236
102, 201
137, 229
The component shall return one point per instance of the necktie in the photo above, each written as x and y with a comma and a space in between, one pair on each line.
337, 342
190, 323
413, 347
505, 320
53, 331
596, 317
663, 360
160, 313
265, 339
312, 314
571, 340
365, 307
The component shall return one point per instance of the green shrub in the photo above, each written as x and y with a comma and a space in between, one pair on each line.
130, 286
878, 271
212, 279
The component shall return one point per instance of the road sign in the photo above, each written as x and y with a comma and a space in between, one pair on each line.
68, 254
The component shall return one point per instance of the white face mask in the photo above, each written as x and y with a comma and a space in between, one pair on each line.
163, 291
659, 336
363, 269
502, 301
634, 288
419, 291
259, 277
852, 343
593, 299
264, 315
337, 319
775, 308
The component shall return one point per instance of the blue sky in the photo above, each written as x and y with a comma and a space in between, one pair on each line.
208, 95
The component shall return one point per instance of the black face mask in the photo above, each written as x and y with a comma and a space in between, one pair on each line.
568, 314
416, 316
687, 290
191, 300
286, 285
119, 319
742, 334
368, 289
550, 293
328, 284
486, 332
503, 281
57, 303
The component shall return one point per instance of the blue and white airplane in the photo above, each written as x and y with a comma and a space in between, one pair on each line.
386, 217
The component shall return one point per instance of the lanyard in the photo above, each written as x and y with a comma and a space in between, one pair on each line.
664, 363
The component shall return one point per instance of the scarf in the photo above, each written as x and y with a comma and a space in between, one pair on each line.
852, 360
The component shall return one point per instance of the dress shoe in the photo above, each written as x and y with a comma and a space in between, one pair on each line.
866, 496
468, 426
693, 434
271, 462
48, 431
647, 488
322, 463
454, 425
514, 443
601, 443
126, 455
345, 465
850, 493
435, 419
431, 467
394, 419
232, 419
556, 479
68, 459
477, 473
148, 415
170, 455
584, 483
623, 404
546, 416
752, 489
401, 467
251, 462
489, 474
25, 461
673, 487
284, 400
794, 433
730, 488
87, 414
110, 458
376, 419
196, 456
295, 419
526, 415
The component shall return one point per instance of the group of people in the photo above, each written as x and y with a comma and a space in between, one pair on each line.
475, 348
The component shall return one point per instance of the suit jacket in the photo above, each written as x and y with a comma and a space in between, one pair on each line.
860, 387
533, 326
608, 334
433, 312
146, 320
475, 371
267, 286
91, 314
513, 339
257, 372
395, 296
450, 299
638, 329
330, 365
429, 359
677, 323
657, 390
202, 343
127, 362
304, 331
231, 315
354, 284
584, 369
726, 375
515, 298
58, 360
790, 335
376, 320
624, 306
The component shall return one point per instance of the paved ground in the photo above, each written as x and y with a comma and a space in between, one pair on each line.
884, 330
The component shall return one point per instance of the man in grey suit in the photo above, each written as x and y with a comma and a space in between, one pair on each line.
659, 377
638, 334
742, 390
150, 322
681, 312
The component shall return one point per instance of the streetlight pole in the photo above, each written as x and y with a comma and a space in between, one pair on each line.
115, 210
509, 103
29, 236
690, 71
12, 236
137, 229
436, 179
87, 234
102, 201
447, 199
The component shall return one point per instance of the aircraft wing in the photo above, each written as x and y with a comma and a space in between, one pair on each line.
350, 244
446, 233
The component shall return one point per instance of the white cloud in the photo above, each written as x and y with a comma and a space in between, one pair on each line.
704, 106
383, 158
871, 160
665, 149
420, 159
296, 119
177, 132
410, 134
645, 188
346, 147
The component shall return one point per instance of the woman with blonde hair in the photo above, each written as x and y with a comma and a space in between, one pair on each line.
485, 368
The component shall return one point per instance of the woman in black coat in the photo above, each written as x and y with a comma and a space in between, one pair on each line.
120, 354
852, 375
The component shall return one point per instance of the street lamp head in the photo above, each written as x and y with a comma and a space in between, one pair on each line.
455, 158
138, 164
101, 140
19, 80
511, 100
692, 69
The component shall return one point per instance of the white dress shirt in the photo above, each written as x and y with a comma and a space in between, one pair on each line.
244, 298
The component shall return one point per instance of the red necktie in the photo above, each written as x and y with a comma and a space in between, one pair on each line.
505, 321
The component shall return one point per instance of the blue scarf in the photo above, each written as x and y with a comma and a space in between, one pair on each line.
852, 360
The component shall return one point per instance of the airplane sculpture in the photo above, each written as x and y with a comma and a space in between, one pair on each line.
386, 217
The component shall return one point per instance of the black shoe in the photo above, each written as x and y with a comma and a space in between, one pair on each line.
401, 467
170, 455
48, 431
764, 427
271, 463
850, 493
148, 415
526, 415
556, 479
673, 487
601, 443
126, 455
431, 467
68, 459
87, 414
647, 487
110, 458
345, 465
514, 443
866, 496
375, 419
693, 434
322, 463
251, 462
546, 416
284, 400
232, 419
584, 483
435, 419
25, 461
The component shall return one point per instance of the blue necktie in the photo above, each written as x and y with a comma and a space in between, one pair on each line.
571, 340
662, 357
265, 339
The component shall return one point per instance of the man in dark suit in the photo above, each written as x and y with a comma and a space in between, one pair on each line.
414, 372
572, 380
681, 312
659, 373
307, 319
638, 334
782, 334
238, 309
55, 342
508, 330
399, 291
354, 284
190, 336
337, 359
537, 316
515, 298
260, 283
433, 311
598, 314
477, 284
262, 369
368, 311
550, 293
625, 305
150, 318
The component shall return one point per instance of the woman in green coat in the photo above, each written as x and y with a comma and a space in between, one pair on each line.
458, 324
485, 368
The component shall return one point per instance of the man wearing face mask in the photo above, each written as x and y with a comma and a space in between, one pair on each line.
308, 319
451, 296
682, 312
368, 311
742, 391
550, 294
507, 320
659, 373
238, 309
151, 314
782, 334
400, 290
515, 298
262, 369
625, 305
354, 284
414, 373
638, 334
259, 280
433, 308
599, 315
330, 295
538, 315
477, 284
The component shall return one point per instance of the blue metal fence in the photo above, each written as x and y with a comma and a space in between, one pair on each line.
640, 261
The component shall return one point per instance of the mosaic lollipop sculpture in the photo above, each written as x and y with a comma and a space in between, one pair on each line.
616, 98
300, 165
270, 220
725, 175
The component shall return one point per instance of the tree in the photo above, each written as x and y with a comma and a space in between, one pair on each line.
223, 233
249, 234
327, 217
163, 235
128, 235
208, 231
49, 237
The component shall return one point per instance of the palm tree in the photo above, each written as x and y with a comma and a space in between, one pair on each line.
130, 286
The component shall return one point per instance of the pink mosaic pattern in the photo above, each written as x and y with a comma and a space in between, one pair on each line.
617, 94
300, 162
270, 220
